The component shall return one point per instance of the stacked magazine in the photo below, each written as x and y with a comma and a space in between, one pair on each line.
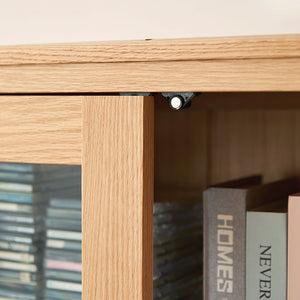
177, 232
62, 267
22, 207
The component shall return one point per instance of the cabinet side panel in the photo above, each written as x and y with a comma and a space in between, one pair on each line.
40, 129
117, 187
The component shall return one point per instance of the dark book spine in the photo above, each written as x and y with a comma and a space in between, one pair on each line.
224, 244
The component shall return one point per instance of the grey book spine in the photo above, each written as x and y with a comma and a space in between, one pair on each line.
224, 244
266, 255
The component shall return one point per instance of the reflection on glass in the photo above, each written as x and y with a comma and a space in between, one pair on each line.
40, 237
40, 232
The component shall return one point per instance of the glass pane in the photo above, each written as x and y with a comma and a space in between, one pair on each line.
40, 232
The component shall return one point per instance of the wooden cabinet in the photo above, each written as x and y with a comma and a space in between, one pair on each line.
60, 104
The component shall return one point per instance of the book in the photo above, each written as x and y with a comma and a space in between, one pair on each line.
224, 211
293, 282
266, 254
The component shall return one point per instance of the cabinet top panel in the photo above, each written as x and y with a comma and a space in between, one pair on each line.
243, 47
227, 64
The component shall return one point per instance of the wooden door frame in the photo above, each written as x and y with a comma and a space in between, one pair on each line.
111, 137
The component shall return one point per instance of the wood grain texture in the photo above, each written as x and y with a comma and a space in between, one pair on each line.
180, 148
205, 76
281, 131
118, 198
40, 129
246, 142
270, 46
237, 144
226, 139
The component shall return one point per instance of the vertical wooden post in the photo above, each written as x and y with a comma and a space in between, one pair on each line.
117, 181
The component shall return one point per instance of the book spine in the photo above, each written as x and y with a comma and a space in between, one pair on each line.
224, 244
293, 282
266, 255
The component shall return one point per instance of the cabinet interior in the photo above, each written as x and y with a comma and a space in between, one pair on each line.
223, 136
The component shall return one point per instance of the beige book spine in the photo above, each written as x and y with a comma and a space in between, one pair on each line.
293, 291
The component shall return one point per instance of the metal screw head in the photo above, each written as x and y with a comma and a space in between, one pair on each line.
176, 102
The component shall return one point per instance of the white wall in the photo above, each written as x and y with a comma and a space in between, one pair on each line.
48, 21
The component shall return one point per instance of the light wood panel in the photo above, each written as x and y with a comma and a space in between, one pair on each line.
180, 148
280, 144
271, 46
40, 129
237, 143
117, 198
218, 144
221, 75
248, 142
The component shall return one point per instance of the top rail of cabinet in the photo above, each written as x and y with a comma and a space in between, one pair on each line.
226, 64
151, 50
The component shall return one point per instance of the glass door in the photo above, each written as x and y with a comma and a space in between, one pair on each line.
40, 231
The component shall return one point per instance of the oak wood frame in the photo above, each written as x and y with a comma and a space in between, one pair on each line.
112, 138
118, 184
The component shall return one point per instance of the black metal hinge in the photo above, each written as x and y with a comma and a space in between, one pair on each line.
177, 100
